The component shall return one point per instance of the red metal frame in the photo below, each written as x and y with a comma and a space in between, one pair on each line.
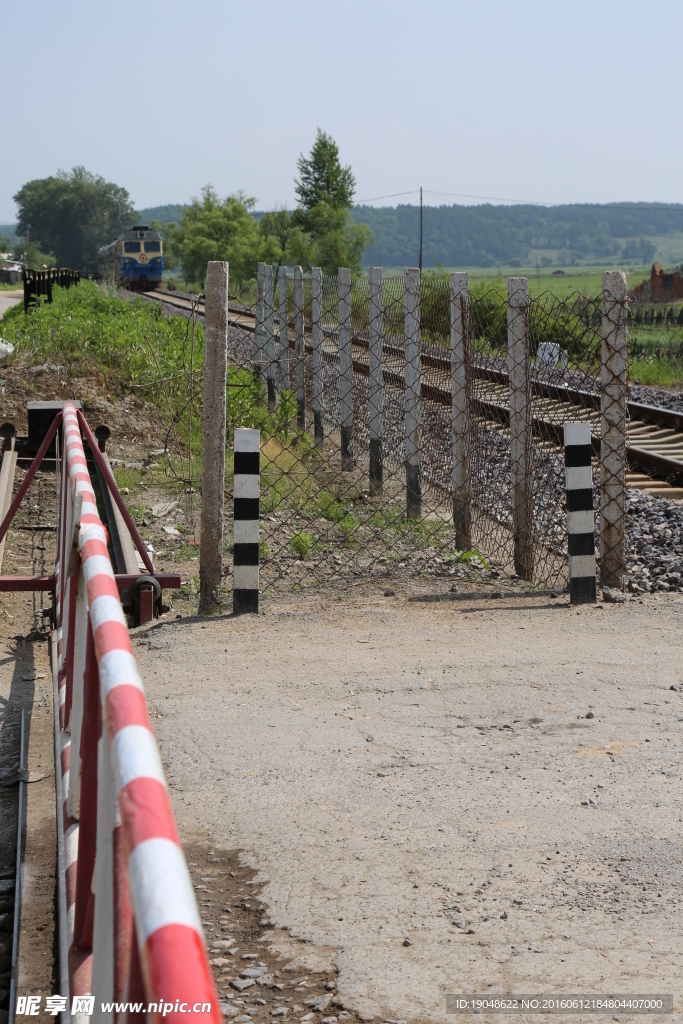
166, 580
32, 470
48, 584
22, 584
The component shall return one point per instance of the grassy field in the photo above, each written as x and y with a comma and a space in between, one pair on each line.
583, 280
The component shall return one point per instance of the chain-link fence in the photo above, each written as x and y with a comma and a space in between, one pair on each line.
409, 426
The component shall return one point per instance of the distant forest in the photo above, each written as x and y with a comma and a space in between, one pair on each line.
168, 214
489, 236
486, 236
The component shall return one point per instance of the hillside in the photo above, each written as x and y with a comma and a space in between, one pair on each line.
486, 235
164, 214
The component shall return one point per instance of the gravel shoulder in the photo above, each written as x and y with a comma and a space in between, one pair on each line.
498, 783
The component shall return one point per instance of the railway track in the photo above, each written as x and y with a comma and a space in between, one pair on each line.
655, 434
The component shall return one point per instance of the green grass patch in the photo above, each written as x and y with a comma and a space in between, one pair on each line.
129, 478
88, 323
473, 558
131, 343
328, 507
301, 544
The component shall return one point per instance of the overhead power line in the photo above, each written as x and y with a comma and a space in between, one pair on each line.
650, 207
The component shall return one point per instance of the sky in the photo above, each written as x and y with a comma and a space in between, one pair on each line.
557, 101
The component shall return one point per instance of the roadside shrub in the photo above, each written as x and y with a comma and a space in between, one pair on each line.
301, 543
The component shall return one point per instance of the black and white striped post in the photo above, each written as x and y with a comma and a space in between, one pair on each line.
580, 522
246, 517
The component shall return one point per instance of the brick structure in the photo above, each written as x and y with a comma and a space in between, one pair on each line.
662, 286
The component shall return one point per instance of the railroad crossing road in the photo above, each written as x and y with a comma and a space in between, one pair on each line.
496, 782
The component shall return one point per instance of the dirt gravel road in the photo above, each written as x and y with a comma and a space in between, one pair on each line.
496, 782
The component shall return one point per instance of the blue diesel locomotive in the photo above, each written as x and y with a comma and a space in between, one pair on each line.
135, 260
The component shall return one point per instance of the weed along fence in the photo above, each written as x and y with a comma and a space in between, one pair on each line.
411, 426
129, 927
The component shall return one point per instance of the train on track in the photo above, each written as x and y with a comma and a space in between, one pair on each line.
135, 260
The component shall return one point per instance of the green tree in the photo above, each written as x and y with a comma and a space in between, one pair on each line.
332, 241
277, 223
322, 231
216, 229
33, 257
322, 177
72, 215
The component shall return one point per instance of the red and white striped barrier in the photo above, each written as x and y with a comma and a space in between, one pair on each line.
133, 926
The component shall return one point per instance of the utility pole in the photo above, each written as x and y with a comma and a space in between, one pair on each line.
420, 263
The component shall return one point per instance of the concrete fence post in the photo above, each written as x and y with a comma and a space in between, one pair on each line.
580, 523
613, 429
283, 351
299, 350
376, 380
521, 454
258, 327
317, 347
413, 373
213, 435
246, 520
459, 341
345, 368
268, 314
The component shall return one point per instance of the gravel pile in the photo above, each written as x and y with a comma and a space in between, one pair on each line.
654, 544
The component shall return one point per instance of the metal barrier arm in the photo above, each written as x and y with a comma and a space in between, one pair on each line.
173, 959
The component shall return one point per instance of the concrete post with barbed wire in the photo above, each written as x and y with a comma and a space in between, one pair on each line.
412, 393
521, 454
375, 377
213, 435
613, 429
459, 326
269, 331
317, 354
282, 318
299, 350
345, 368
